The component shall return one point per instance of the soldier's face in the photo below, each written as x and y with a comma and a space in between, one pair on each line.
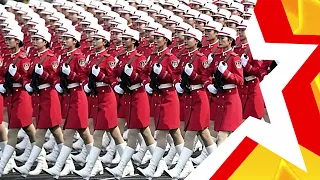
242, 34
224, 41
68, 42
170, 8
220, 20
159, 41
190, 42
222, 6
141, 27
116, 37
142, 8
171, 27
177, 13
134, 4
207, 12
196, 6
73, 17
11, 42
162, 21
200, 25
89, 34
179, 35
127, 42
232, 25
190, 21
98, 43
210, 34
126, 16
153, 15
38, 43
235, 12
149, 36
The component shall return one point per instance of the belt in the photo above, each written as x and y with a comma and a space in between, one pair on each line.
73, 85
136, 86
229, 86
16, 85
165, 86
250, 78
195, 87
43, 86
101, 84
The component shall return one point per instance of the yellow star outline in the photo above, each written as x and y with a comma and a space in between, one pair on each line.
316, 89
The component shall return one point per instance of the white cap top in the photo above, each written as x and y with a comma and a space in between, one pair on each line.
127, 10
243, 25
89, 20
236, 6
229, 32
145, 19
102, 9
67, 5
199, 2
164, 13
36, 20
14, 33
118, 20
130, 33
43, 33
11, 27
102, 34
120, 4
195, 33
120, 28
38, 28
65, 27
217, 26
183, 26
250, 2
227, 2
24, 11
76, 9
44, 5
152, 26
164, 33
145, 3
58, 2
173, 19
223, 13
191, 13
235, 19
93, 27
154, 8
7, 15
10, 3
48, 11
56, 16
173, 3
30, 15
137, 14
204, 18
94, 4
72, 33
34, 3
111, 15
84, 14
9, 21
209, 7
182, 8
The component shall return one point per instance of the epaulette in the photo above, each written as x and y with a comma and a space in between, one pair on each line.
138, 54
200, 54
234, 54
51, 55
22, 55
169, 53
77, 53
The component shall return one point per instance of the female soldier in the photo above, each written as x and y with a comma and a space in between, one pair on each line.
227, 113
136, 104
196, 111
74, 102
47, 108
104, 101
19, 103
165, 101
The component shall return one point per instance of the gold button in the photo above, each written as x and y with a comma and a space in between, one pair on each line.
74, 89
229, 91
68, 94
128, 102
218, 106
92, 105
217, 96
38, 104
252, 81
186, 106
221, 106
102, 90
190, 96
125, 102
38, 94
167, 90
222, 96
246, 86
197, 91
159, 95
17, 90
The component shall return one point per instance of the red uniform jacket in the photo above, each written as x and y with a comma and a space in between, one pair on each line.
114, 51
177, 49
206, 50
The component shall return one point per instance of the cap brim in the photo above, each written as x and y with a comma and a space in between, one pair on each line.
126, 36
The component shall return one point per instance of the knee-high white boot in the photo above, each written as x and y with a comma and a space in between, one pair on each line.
42, 164
6, 155
25, 155
183, 159
52, 157
82, 156
24, 170
151, 169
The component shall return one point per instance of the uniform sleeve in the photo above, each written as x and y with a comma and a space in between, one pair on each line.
171, 73
22, 75
202, 74
138, 75
236, 74
51, 70
253, 67
147, 71
210, 71
79, 75
108, 77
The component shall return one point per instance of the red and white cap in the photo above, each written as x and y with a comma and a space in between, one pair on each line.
127, 10
186, 2
48, 11
38, 28
132, 1
173, 19
229, 32
43, 33
14, 33
164, 33
118, 20
145, 19
111, 15
9, 21
249, 2
94, 4
173, 3
10, 4
24, 11
209, 7
238, 1
19, 6
226, 2
191, 13
65, 27
120, 28
73, 34
243, 25
36, 20
34, 3
108, 2
102, 34
183, 26
152, 26
235, 19
154, 8
67, 5
30, 16
195, 33
44, 5
102, 9
75, 9
248, 13
223, 13
130, 33
236, 6
58, 2
89, 20
159, 1
57, 16
204, 18
182, 8
93, 27
164, 13
137, 14
11, 27
145, 3
217, 26
198, 2
120, 4
7, 15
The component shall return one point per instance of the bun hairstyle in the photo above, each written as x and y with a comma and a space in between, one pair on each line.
77, 44
136, 43
199, 45
47, 44
107, 44
21, 44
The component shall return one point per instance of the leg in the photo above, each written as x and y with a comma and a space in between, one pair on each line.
189, 139
207, 140
31, 132
40, 135
57, 133
9, 148
182, 128
176, 136
116, 135
97, 138
212, 131
152, 126
147, 136
91, 125
68, 137
121, 123
3, 133
222, 136
85, 135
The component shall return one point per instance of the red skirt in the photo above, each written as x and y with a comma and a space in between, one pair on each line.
75, 109
251, 99
182, 106
151, 105
196, 110
121, 107
89, 98
104, 109
166, 109
19, 107
1, 106
46, 109
227, 110
136, 106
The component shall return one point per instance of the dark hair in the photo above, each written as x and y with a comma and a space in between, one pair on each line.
199, 45
47, 45
21, 44
168, 42
107, 44
77, 44
233, 41
136, 43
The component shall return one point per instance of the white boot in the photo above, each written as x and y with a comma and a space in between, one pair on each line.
81, 157
105, 141
24, 170
108, 157
68, 167
200, 158
161, 168
92, 158
188, 168
21, 134
138, 157
49, 145
52, 157
2, 146
42, 164
23, 144
147, 157
78, 144
97, 168
184, 157
25, 155
6, 155
125, 135
211, 148
172, 152
116, 159
118, 172
48, 134
197, 144
129, 169
56, 169
10, 165
151, 169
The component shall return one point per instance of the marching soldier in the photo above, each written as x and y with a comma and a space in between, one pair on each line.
222, 16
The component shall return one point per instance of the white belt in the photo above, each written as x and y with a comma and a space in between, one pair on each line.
195, 87
101, 84
16, 85
73, 85
136, 86
229, 86
164, 86
43, 86
250, 78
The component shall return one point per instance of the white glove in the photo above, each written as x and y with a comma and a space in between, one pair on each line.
95, 71
210, 59
12, 70
244, 60
58, 88
66, 70
86, 88
2, 89
222, 68
128, 70
178, 88
38, 70
148, 88
28, 87
157, 69
277, 61
212, 89
188, 70
118, 89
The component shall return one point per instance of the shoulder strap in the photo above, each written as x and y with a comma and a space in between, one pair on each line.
161, 58
131, 59
246, 51
70, 58
121, 53
214, 50
43, 59
193, 58
99, 61
180, 53
227, 58
15, 60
